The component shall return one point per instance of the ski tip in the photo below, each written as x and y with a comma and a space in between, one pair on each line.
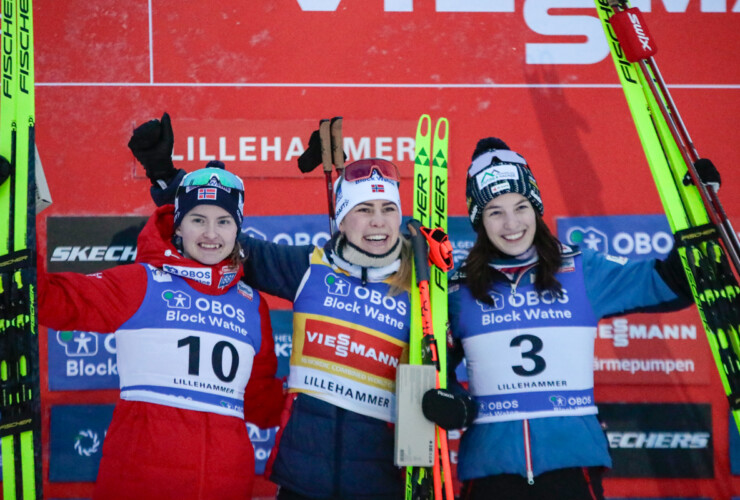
424, 125
441, 129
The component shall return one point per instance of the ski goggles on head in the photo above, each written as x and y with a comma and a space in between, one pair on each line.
494, 157
215, 177
363, 169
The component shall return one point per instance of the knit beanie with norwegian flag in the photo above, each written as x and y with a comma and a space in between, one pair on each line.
352, 193
213, 193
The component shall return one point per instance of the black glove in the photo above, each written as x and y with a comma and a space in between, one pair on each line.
311, 157
151, 143
448, 410
671, 272
708, 174
4, 170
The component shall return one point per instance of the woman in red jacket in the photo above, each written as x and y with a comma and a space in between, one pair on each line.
194, 349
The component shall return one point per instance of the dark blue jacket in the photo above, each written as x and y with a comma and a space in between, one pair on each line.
323, 451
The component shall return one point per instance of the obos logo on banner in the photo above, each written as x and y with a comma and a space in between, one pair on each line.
662, 440
81, 360
76, 443
632, 236
289, 229
663, 348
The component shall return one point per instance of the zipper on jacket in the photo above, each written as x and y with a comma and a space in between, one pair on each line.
528, 452
520, 275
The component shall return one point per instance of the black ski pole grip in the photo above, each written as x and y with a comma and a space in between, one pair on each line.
421, 251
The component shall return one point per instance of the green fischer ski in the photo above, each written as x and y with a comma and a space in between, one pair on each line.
20, 406
430, 210
438, 219
422, 155
707, 244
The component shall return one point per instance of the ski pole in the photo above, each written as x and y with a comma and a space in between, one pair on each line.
626, 22
421, 263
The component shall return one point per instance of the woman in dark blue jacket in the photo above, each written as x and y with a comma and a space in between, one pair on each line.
523, 313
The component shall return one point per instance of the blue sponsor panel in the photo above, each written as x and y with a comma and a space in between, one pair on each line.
76, 442
263, 440
81, 360
734, 442
288, 229
631, 236
461, 236
282, 333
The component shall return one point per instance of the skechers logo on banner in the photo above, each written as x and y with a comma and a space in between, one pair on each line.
94, 254
337, 285
86, 443
658, 440
199, 274
176, 299
621, 331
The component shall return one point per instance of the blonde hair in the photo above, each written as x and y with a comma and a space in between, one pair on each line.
401, 280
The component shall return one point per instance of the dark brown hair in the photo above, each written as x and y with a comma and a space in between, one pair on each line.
480, 275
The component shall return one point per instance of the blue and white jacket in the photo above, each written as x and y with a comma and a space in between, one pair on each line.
530, 358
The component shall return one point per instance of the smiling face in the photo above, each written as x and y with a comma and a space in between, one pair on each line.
510, 223
373, 226
208, 234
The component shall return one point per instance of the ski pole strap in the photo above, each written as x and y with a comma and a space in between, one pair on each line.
421, 251
440, 248
337, 143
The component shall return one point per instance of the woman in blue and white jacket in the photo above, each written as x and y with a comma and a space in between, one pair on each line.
523, 313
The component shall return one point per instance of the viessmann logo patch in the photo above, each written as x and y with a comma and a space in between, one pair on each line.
339, 344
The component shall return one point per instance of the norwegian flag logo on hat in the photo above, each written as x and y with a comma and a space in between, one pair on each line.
207, 193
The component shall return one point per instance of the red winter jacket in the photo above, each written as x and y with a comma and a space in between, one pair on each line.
152, 450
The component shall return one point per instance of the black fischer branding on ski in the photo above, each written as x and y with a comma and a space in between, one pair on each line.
20, 416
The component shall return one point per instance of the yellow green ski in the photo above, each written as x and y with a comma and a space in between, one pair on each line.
20, 410
707, 243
